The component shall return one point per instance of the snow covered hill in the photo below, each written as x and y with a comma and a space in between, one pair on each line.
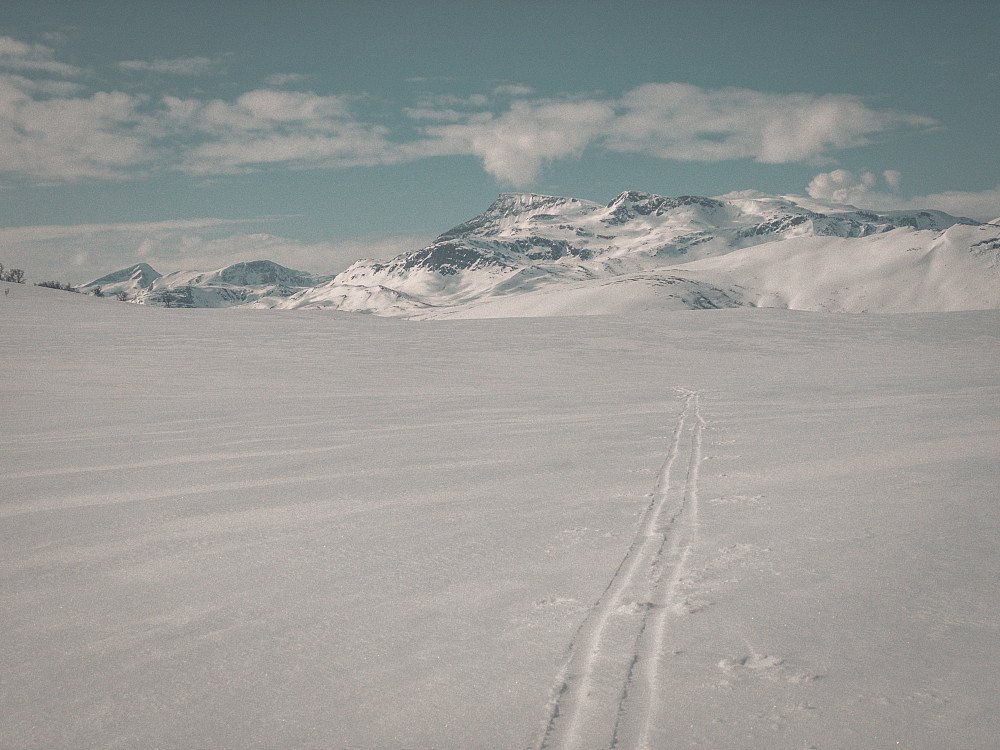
539, 255
259, 282
132, 280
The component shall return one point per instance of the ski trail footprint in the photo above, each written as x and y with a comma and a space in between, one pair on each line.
606, 690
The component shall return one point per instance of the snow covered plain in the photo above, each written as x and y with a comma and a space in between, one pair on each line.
728, 528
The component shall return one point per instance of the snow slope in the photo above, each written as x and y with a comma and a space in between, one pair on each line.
726, 528
132, 280
541, 255
902, 270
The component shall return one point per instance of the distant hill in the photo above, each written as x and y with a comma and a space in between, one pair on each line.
238, 284
131, 280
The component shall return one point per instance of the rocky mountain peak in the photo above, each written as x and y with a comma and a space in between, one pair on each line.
633, 203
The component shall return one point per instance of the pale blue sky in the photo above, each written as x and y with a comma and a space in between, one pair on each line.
191, 134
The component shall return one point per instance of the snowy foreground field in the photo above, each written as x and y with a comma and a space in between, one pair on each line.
728, 529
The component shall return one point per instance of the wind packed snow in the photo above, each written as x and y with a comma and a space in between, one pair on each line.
724, 528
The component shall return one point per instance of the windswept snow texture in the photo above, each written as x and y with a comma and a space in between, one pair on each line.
721, 528
531, 255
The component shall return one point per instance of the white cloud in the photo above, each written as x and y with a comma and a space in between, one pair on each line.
438, 115
110, 133
23, 56
271, 127
49, 135
285, 79
866, 190
513, 90
44, 86
687, 123
844, 186
514, 145
435, 101
260, 110
667, 121
181, 66
46, 232
313, 111
54, 131
983, 205
64, 138
354, 145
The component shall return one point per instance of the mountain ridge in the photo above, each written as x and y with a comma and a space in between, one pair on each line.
536, 246
536, 254
235, 284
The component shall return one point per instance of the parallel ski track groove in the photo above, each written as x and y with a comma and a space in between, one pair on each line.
685, 533
653, 564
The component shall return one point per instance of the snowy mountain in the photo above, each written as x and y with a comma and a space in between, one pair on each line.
131, 280
260, 282
533, 254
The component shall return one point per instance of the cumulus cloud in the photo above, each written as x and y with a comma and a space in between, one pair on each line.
43, 86
269, 127
57, 130
881, 193
260, 110
667, 121
24, 56
63, 138
514, 145
844, 186
687, 123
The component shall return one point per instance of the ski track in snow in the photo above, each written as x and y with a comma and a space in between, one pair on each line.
606, 694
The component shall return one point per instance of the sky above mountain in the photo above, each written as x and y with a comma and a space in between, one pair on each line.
193, 135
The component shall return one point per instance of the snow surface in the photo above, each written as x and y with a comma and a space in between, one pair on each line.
726, 528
